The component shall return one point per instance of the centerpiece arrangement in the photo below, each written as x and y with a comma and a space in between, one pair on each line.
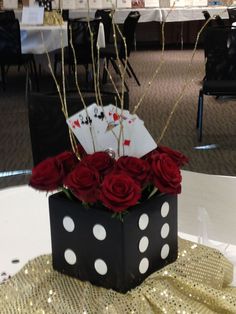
114, 221
114, 218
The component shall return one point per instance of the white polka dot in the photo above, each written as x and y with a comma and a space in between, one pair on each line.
99, 232
70, 256
143, 221
143, 244
143, 265
68, 224
165, 209
100, 266
165, 230
165, 251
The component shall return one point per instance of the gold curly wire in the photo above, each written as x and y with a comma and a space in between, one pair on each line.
96, 78
77, 84
71, 135
105, 62
187, 83
96, 83
146, 89
122, 70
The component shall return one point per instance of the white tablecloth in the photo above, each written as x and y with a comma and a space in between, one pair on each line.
160, 14
154, 14
54, 37
191, 13
147, 15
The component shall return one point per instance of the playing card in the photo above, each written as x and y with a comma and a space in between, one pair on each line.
118, 128
135, 139
106, 135
141, 139
109, 128
82, 125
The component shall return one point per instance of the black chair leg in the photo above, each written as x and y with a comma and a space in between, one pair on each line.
198, 111
3, 77
118, 72
104, 75
55, 65
35, 75
127, 70
200, 115
132, 71
27, 83
115, 67
86, 75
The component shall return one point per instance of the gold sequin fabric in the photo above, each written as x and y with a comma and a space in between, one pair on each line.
52, 18
198, 282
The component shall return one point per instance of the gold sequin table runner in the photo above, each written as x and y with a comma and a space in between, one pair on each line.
198, 282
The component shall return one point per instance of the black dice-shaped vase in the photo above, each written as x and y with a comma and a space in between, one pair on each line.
90, 244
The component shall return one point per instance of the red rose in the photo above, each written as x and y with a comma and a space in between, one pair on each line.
177, 156
166, 174
101, 161
47, 175
84, 183
68, 161
119, 191
136, 168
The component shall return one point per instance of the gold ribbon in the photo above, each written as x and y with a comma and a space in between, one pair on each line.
52, 18
198, 282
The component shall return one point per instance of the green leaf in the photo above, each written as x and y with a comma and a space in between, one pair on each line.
67, 192
155, 189
119, 216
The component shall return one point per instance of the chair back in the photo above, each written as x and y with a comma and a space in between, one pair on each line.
106, 15
220, 51
129, 31
48, 128
10, 43
65, 14
207, 16
232, 14
7, 16
219, 21
82, 39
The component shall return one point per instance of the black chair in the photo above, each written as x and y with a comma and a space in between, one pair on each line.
7, 16
81, 40
220, 69
106, 16
10, 52
109, 52
232, 15
48, 128
207, 16
217, 21
65, 15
